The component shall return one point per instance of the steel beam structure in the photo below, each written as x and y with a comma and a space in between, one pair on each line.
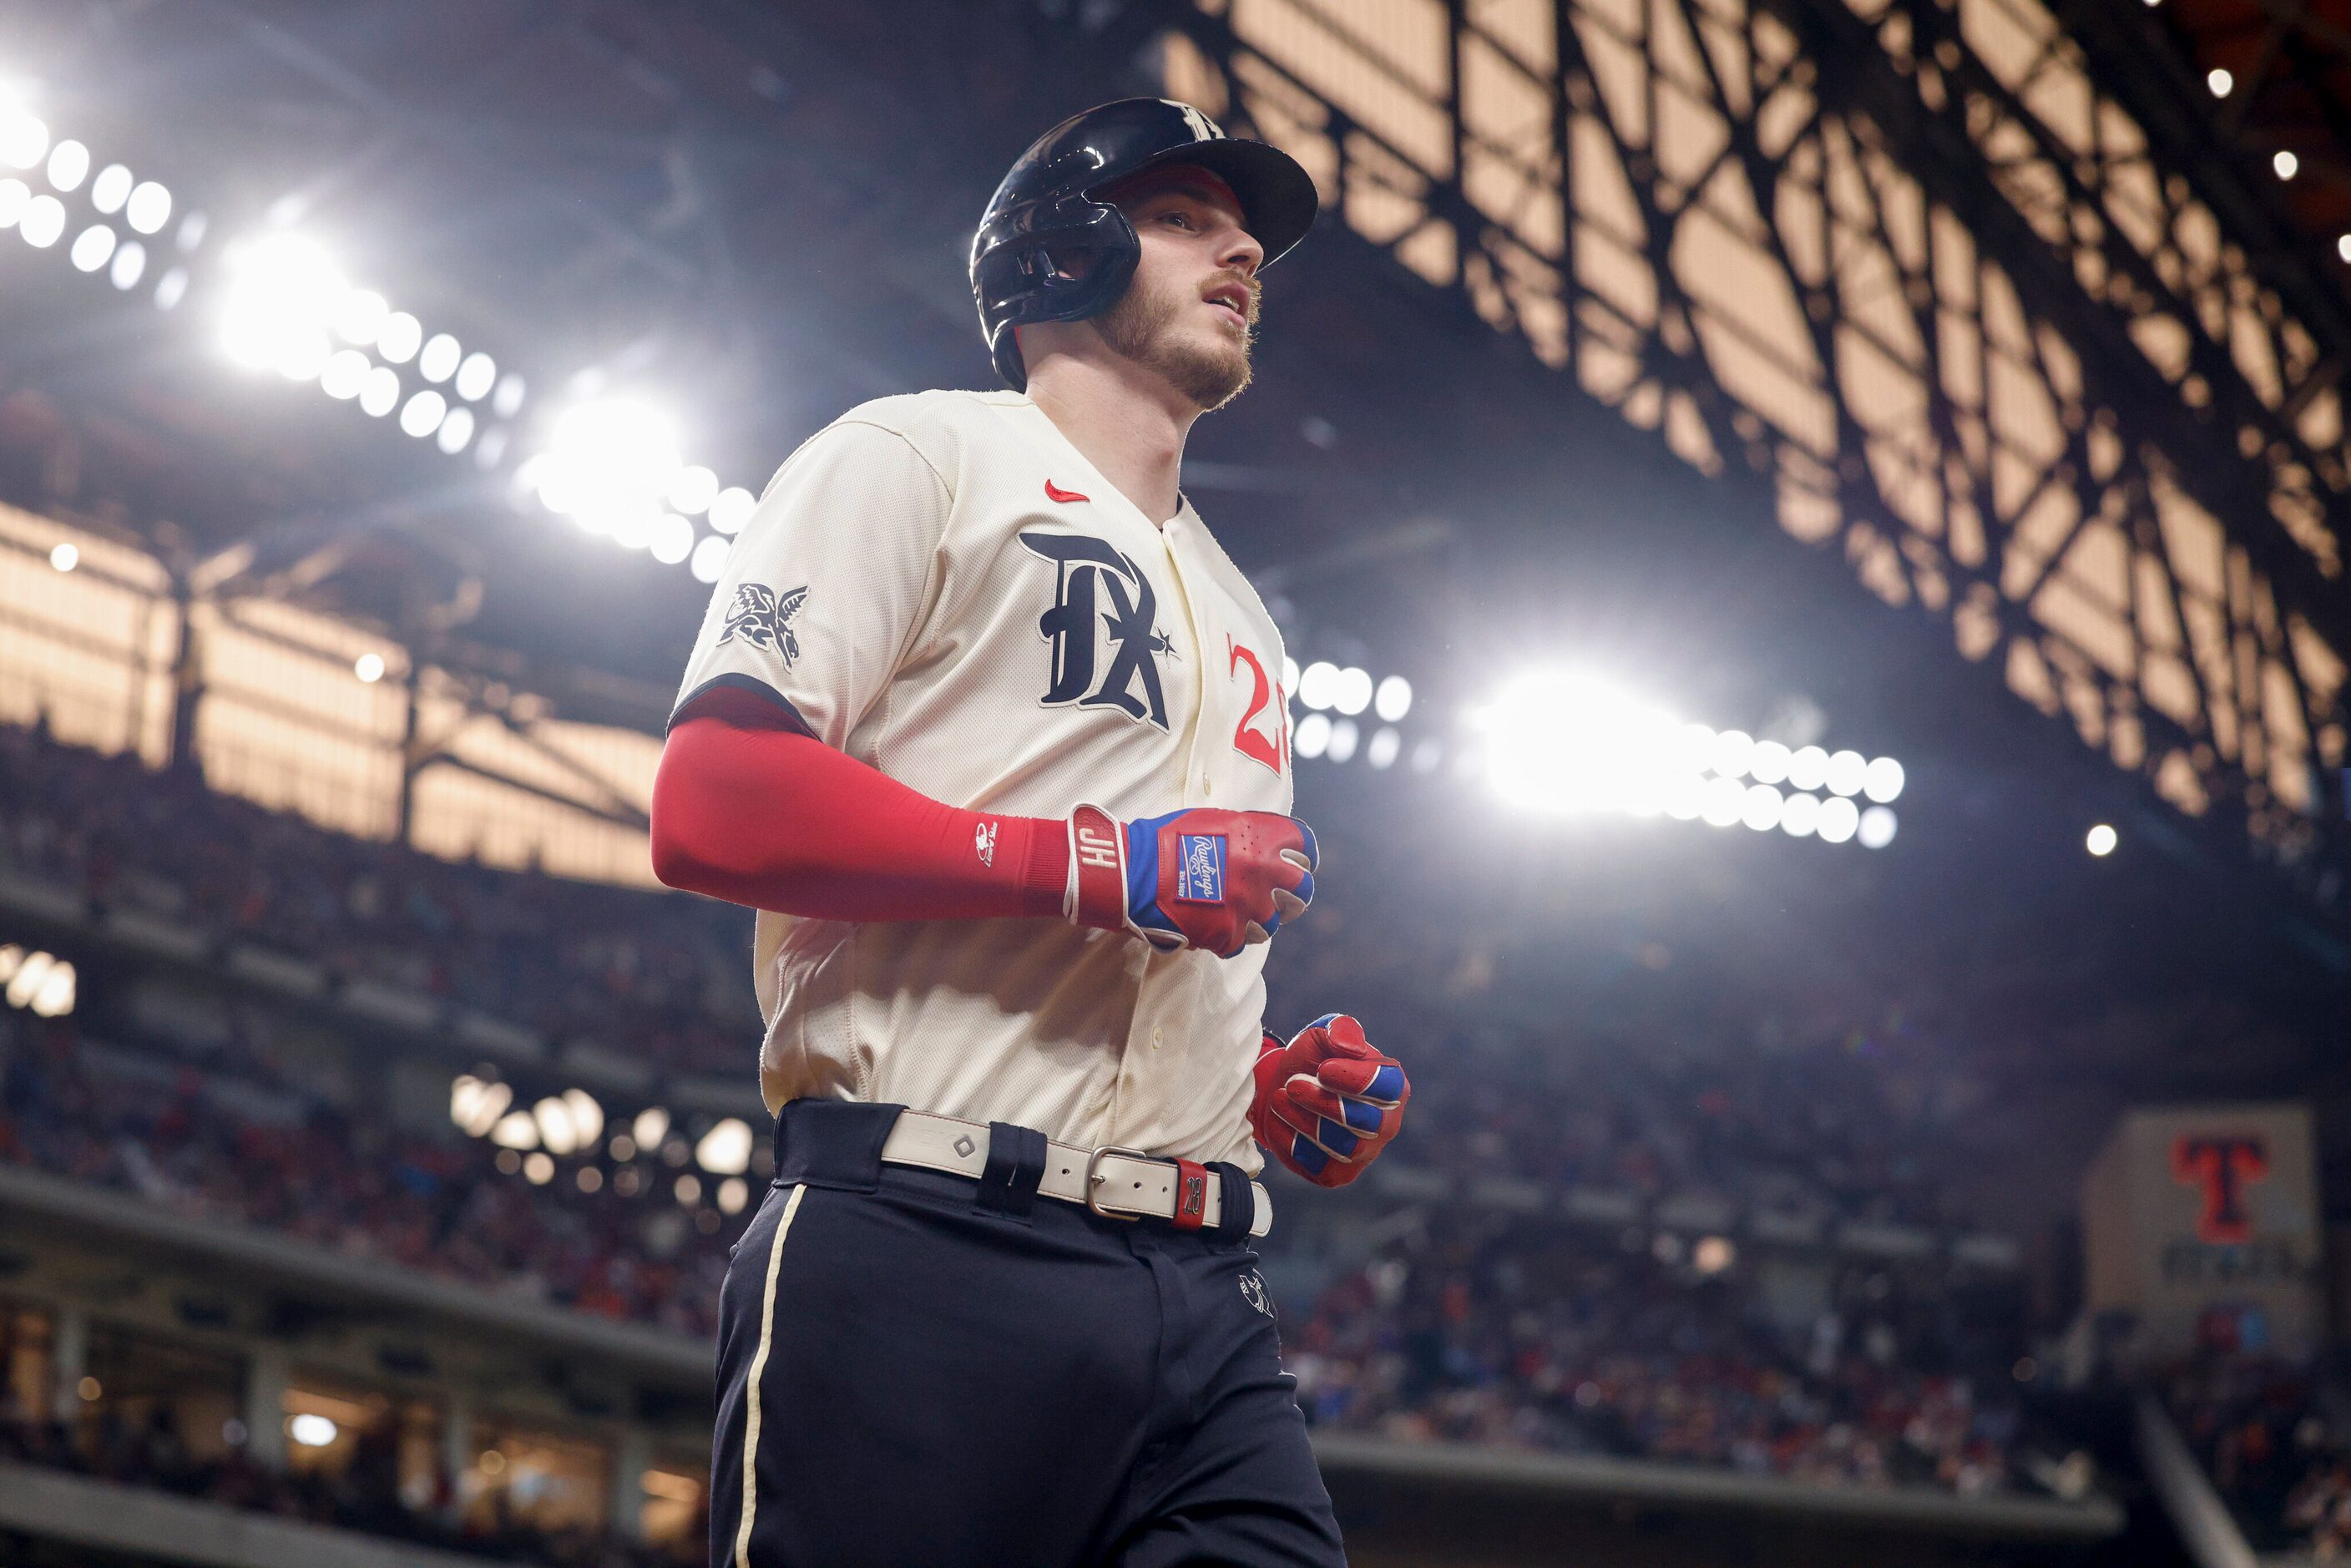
1910, 267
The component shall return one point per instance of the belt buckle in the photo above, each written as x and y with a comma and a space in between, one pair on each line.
1094, 1178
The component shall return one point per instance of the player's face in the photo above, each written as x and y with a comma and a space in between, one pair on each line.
1192, 309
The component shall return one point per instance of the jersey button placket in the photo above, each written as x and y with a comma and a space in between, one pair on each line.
1173, 536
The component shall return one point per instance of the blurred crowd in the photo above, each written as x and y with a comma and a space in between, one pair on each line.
1835, 1124
231, 1139
664, 978
1480, 1323
2272, 1433
363, 1495
1640, 1344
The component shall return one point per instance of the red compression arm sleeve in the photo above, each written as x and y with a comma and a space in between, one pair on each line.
754, 813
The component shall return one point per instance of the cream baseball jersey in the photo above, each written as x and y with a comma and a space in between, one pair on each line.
941, 586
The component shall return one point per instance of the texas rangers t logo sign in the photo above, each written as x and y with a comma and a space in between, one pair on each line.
1097, 590
2223, 1166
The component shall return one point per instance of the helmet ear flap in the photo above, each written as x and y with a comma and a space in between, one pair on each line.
1043, 292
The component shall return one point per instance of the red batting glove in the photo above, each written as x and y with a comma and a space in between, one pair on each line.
1327, 1103
1202, 877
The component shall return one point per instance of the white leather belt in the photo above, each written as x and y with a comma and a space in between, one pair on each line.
1124, 1184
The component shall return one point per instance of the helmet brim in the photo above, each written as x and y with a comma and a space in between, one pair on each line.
1277, 195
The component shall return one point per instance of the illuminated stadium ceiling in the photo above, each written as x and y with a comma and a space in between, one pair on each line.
1923, 272
1901, 299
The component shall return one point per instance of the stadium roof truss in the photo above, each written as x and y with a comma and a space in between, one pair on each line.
1922, 273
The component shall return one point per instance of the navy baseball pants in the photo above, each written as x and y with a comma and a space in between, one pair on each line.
916, 1370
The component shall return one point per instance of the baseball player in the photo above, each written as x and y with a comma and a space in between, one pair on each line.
992, 735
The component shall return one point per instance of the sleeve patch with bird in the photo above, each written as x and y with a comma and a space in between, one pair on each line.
758, 616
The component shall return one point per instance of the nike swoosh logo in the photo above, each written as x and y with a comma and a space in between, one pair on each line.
1055, 493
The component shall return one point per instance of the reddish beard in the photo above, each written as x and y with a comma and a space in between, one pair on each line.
1138, 327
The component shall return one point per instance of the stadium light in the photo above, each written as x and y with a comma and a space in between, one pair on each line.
2102, 841
44, 221
1393, 700
69, 163
1560, 742
477, 376
439, 359
369, 668
310, 1429
150, 208
2285, 164
610, 462
692, 489
421, 415
285, 303
285, 292
40, 983
555, 1127
1311, 735
1351, 694
587, 1116
24, 137
2221, 81
399, 338
361, 318
111, 190
64, 555
731, 508
725, 1149
477, 1105
516, 1130
92, 248
379, 391
1564, 743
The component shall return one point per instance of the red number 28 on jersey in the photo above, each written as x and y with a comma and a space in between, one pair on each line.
1270, 746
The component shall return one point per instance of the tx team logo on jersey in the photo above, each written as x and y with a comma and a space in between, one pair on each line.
1100, 597
763, 621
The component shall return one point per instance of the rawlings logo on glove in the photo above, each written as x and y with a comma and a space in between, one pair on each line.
1327, 1103
1204, 878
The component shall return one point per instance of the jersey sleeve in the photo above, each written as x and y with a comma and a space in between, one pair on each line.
824, 587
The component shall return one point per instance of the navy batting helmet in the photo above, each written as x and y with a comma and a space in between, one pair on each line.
1048, 249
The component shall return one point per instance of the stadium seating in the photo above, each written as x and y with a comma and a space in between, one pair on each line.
1713, 1256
